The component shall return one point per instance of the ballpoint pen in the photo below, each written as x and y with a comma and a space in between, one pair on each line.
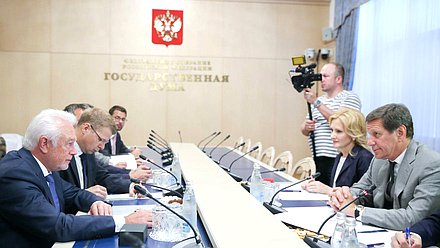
408, 235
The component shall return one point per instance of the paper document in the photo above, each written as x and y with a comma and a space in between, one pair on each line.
127, 158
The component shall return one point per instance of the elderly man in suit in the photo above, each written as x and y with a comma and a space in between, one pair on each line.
33, 198
405, 172
93, 131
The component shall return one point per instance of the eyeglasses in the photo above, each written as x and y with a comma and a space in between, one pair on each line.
104, 141
117, 118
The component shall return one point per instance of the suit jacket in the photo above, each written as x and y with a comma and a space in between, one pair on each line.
353, 168
28, 217
429, 229
96, 174
416, 189
120, 147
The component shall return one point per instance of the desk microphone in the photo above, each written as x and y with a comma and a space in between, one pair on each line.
223, 140
170, 191
164, 140
275, 209
165, 153
251, 150
145, 192
155, 139
361, 194
214, 133
235, 148
215, 136
280, 169
160, 167
165, 160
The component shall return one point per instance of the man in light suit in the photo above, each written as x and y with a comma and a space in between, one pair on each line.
33, 198
407, 191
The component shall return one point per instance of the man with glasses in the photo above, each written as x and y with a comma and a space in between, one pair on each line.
93, 131
117, 147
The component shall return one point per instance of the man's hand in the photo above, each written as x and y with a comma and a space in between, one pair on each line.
307, 127
339, 198
100, 208
140, 216
142, 173
399, 241
136, 152
121, 165
98, 190
309, 95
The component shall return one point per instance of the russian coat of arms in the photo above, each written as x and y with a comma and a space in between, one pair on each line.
167, 27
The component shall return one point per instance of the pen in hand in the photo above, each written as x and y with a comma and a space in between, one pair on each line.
408, 235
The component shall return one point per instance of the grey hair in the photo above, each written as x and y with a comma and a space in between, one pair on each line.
48, 123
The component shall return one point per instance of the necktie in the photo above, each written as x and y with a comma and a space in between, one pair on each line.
388, 204
53, 192
83, 158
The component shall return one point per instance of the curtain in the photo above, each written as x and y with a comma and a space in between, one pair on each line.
345, 21
398, 60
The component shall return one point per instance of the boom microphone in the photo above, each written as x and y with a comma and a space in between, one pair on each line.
227, 137
170, 191
275, 209
235, 148
144, 191
165, 160
204, 147
164, 140
251, 150
165, 153
214, 133
180, 136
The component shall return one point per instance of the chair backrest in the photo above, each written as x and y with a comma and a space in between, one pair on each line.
247, 145
268, 156
238, 142
257, 153
303, 168
284, 160
14, 141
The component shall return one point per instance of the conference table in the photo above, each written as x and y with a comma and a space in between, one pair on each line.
229, 216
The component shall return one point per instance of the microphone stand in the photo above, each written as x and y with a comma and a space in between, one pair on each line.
209, 136
144, 192
312, 134
215, 136
275, 209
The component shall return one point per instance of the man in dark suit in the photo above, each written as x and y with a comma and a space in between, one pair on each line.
94, 129
423, 234
33, 198
116, 146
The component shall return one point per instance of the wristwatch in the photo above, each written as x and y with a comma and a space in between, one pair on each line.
358, 211
317, 103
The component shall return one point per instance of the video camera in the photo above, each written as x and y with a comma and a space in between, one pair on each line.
306, 77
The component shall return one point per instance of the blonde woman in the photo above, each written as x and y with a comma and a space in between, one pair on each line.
349, 137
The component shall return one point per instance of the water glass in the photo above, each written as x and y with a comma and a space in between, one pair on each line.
269, 190
167, 226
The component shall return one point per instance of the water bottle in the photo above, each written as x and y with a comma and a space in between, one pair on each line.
175, 169
337, 240
257, 186
350, 239
189, 209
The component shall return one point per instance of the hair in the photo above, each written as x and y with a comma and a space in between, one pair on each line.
74, 106
393, 115
339, 70
119, 108
354, 125
98, 118
48, 122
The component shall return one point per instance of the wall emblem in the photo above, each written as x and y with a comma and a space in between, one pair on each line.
167, 27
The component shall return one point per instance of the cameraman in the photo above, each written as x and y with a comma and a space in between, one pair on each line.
322, 108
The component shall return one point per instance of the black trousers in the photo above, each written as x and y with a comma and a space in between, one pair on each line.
324, 165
